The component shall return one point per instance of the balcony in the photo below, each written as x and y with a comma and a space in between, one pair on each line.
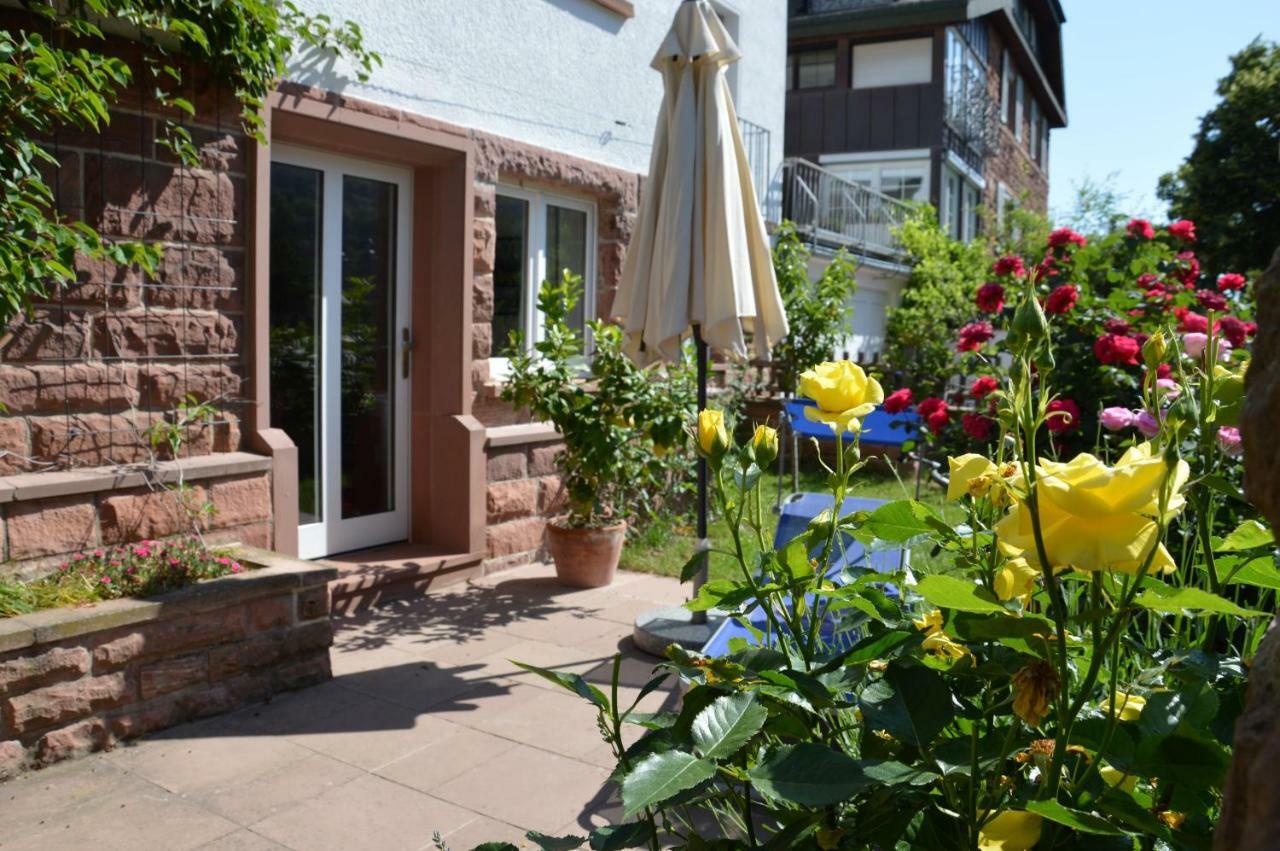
838, 213
758, 141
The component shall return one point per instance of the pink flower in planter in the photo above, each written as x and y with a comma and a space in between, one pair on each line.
236, 568
1116, 418
1147, 424
1229, 441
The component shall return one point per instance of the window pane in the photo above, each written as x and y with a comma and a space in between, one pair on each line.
816, 68
900, 184
296, 215
567, 249
892, 63
510, 269
368, 363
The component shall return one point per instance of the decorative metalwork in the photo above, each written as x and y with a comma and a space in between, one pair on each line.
831, 210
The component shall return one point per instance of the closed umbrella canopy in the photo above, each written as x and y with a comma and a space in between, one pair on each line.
700, 255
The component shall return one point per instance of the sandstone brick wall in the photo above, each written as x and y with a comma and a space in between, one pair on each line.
50, 528
78, 680
616, 195
100, 360
1012, 165
524, 492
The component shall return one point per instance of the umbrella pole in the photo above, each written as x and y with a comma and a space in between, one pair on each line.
704, 545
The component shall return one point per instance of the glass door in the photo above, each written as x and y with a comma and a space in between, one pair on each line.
340, 344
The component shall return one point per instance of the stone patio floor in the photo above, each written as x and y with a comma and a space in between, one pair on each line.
426, 726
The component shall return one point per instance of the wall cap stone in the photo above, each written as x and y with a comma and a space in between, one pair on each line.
520, 434
33, 486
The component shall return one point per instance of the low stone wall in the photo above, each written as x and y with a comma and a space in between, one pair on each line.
81, 679
523, 493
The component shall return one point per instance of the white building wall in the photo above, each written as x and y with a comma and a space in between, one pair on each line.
569, 75
878, 290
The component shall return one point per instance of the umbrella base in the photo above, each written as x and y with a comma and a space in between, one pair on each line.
658, 628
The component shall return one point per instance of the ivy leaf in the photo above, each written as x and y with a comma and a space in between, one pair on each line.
660, 776
1247, 536
950, 592
1074, 819
727, 724
911, 703
1170, 600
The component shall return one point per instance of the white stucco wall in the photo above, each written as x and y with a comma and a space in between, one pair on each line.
879, 288
569, 75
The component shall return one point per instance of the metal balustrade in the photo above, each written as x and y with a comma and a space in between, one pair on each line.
834, 211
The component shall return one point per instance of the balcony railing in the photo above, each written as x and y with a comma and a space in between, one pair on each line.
758, 141
833, 211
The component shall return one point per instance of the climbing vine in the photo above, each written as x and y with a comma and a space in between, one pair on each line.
57, 74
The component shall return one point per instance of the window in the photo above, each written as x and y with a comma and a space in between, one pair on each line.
1044, 143
893, 63
960, 200
1034, 143
905, 184
1003, 200
1006, 83
813, 69
537, 236
1018, 107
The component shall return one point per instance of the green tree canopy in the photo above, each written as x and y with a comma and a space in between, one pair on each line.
1230, 184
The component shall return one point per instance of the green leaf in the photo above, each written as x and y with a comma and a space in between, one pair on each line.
809, 774
1165, 711
1028, 634
634, 834
1257, 571
950, 592
1192, 762
495, 846
727, 724
660, 776
1195, 601
911, 703
876, 646
693, 565
901, 521
722, 593
1074, 819
573, 682
554, 843
1247, 536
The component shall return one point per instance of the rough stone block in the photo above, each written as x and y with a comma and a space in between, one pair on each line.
67, 701
15, 446
483, 240
545, 460
117, 653
271, 613
49, 388
160, 201
13, 758
481, 340
173, 674
173, 636
511, 499
60, 663
80, 738
241, 500
150, 333
198, 279
168, 386
49, 334
551, 496
92, 440
142, 514
517, 536
506, 464
313, 603
51, 526
308, 671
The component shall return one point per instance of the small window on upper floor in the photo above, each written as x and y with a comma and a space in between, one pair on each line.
1019, 104
811, 69
1034, 142
893, 63
1006, 86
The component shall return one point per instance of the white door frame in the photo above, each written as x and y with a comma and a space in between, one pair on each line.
334, 534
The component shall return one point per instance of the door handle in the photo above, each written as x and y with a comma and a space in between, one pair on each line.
406, 350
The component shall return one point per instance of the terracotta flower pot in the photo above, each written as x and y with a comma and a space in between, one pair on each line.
586, 558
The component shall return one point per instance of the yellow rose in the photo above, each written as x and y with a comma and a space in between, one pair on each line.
1131, 706
1010, 830
965, 469
765, 444
843, 393
1095, 517
944, 646
929, 622
713, 438
1016, 578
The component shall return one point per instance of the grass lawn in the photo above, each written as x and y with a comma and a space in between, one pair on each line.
664, 548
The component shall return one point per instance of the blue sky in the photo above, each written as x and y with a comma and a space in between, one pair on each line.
1140, 73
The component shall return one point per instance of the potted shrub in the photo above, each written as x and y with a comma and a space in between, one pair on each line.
618, 423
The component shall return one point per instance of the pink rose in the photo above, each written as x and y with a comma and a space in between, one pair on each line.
1229, 441
1116, 419
1194, 342
1147, 424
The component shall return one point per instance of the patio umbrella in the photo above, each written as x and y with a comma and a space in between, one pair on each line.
699, 262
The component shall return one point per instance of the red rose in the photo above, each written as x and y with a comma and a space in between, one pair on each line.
1062, 299
1010, 264
1116, 350
1230, 281
1191, 323
1234, 330
1148, 281
1116, 326
978, 427
1184, 230
928, 405
1065, 236
990, 298
939, 420
1141, 229
898, 401
1164, 371
1064, 415
1189, 269
973, 335
1210, 300
1251, 328
983, 387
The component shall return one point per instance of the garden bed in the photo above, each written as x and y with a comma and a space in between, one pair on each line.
74, 680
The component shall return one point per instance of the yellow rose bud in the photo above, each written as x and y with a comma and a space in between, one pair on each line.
843, 394
1155, 349
965, 469
1095, 517
1010, 830
1016, 579
713, 437
1131, 706
765, 444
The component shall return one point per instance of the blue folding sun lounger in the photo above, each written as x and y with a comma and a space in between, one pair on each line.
879, 428
796, 513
